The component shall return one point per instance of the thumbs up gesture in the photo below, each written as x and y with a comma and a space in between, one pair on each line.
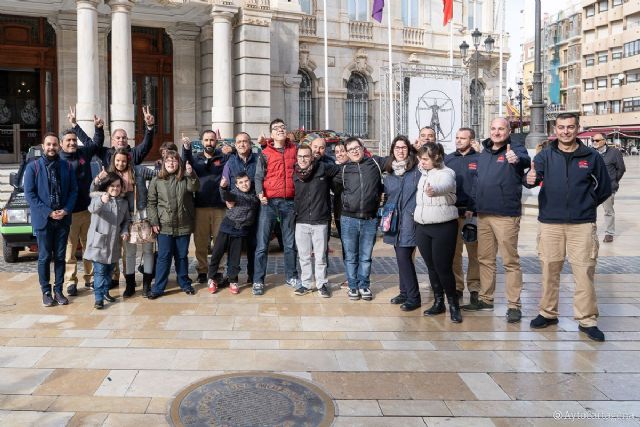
102, 175
531, 175
511, 156
188, 169
429, 190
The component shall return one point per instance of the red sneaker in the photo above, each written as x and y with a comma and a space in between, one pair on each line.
213, 286
234, 288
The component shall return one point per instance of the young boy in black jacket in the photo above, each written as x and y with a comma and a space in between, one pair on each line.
240, 216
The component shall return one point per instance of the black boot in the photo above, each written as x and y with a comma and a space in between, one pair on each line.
130, 288
438, 304
454, 309
146, 284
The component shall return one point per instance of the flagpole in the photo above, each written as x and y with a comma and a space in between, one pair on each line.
451, 42
391, 112
501, 59
326, 69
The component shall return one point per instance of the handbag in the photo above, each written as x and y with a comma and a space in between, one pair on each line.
140, 230
388, 218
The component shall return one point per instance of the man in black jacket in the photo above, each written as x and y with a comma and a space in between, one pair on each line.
312, 179
80, 160
616, 168
497, 193
362, 188
464, 162
575, 183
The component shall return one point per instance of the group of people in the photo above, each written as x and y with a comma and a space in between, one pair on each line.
418, 196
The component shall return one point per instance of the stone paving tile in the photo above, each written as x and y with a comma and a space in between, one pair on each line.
378, 422
414, 408
21, 380
71, 382
616, 386
528, 409
458, 422
82, 419
358, 408
135, 420
132, 405
547, 386
34, 418
19, 402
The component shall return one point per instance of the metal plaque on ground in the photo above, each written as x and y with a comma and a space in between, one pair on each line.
252, 399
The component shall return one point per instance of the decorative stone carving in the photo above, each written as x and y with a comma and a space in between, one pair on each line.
361, 60
305, 61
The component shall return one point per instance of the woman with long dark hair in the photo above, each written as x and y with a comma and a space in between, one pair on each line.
401, 178
436, 218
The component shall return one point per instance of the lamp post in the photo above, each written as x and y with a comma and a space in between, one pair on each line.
537, 132
519, 97
464, 50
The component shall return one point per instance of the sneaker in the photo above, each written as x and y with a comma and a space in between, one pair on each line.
353, 294
190, 291
60, 298
258, 289
88, 285
47, 300
542, 322
72, 290
592, 332
324, 292
366, 294
294, 283
99, 305
213, 286
202, 278
234, 288
344, 285
473, 298
302, 290
479, 306
514, 315
109, 297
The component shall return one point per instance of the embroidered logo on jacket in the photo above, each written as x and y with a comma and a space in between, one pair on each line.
500, 159
583, 164
473, 166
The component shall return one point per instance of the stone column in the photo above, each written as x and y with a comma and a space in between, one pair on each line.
66, 46
88, 72
122, 114
183, 35
222, 108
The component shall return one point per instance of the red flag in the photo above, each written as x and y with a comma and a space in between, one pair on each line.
448, 11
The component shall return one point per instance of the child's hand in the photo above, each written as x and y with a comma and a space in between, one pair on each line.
104, 198
263, 199
224, 182
125, 237
156, 229
102, 175
230, 204
188, 169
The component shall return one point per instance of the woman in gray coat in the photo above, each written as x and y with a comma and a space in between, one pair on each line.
109, 226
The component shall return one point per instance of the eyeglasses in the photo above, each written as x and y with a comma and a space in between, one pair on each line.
304, 157
598, 140
281, 127
354, 149
401, 147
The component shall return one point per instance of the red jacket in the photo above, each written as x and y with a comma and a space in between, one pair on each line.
278, 180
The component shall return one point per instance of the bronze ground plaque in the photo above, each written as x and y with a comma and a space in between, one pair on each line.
252, 399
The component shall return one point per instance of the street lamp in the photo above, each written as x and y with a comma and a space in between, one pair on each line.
464, 51
519, 97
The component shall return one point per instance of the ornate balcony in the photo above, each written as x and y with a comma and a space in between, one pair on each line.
361, 30
308, 25
413, 36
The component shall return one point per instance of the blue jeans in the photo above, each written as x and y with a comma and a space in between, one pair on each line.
101, 279
176, 247
358, 238
269, 214
52, 244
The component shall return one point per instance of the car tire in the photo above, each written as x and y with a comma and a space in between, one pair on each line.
10, 253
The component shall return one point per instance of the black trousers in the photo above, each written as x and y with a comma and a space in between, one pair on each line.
233, 246
407, 272
437, 245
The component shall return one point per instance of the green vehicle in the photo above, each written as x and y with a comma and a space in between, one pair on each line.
16, 230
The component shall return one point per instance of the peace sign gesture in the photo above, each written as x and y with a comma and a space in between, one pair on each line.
148, 117
71, 116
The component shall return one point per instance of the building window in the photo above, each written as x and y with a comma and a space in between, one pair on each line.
615, 81
633, 76
631, 48
356, 109
587, 109
615, 107
306, 101
601, 108
590, 36
588, 85
602, 57
602, 31
590, 11
474, 15
477, 106
602, 82
307, 6
630, 104
603, 6
410, 13
616, 53
617, 27
359, 10
616, 3
589, 61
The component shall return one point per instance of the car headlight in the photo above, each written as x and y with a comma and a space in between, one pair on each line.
15, 216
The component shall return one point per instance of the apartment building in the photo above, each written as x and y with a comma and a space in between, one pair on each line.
611, 66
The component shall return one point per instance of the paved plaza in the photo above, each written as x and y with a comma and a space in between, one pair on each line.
122, 366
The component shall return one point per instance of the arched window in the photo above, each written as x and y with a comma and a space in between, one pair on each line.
356, 109
410, 13
307, 6
477, 107
306, 101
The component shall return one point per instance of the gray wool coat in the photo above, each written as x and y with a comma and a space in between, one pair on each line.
109, 221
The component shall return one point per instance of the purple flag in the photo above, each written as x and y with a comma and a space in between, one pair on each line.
378, 6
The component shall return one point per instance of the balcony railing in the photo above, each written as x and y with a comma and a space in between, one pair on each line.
413, 36
361, 30
308, 25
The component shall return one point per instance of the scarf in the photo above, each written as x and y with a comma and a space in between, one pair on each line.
305, 174
55, 190
602, 149
399, 167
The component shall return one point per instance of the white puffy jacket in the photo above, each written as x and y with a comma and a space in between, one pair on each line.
442, 206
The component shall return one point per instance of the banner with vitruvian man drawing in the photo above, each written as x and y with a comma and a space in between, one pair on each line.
436, 103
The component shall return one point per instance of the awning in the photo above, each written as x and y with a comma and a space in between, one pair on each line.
614, 129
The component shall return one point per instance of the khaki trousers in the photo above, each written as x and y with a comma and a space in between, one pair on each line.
207, 224
77, 233
580, 243
495, 233
473, 270
609, 215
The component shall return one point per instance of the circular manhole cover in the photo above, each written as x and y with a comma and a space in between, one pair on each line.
252, 399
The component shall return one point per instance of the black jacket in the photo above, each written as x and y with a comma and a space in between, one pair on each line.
137, 153
615, 166
209, 171
572, 188
361, 187
498, 187
238, 220
466, 169
312, 196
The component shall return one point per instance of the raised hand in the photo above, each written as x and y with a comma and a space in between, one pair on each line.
97, 121
531, 175
511, 156
188, 169
71, 116
102, 175
224, 182
186, 142
149, 120
262, 139
226, 149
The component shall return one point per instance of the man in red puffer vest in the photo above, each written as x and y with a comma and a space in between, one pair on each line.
275, 188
